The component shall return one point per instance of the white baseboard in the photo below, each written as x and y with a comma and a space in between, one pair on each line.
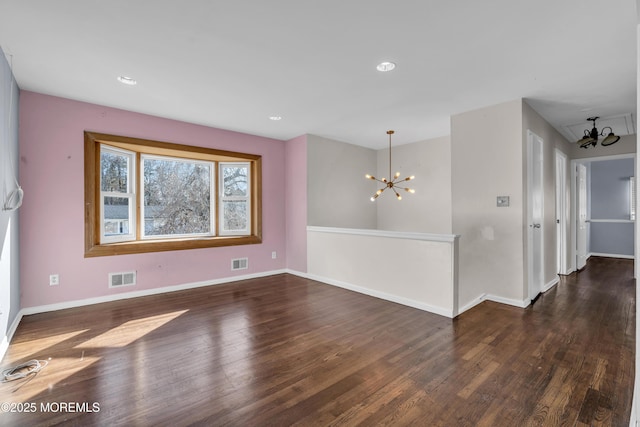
4, 345
468, 306
550, 284
383, 295
143, 293
508, 301
613, 255
516, 303
297, 273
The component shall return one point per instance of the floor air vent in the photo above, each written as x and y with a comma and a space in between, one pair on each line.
240, 264
122, 279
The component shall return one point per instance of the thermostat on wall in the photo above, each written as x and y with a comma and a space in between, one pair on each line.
503, 202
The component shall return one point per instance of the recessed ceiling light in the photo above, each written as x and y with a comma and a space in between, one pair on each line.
385, 66
127, 80
275, 118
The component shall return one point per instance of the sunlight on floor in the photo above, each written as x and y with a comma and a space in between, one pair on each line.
130, 331
74, 359
38, 348
56, 372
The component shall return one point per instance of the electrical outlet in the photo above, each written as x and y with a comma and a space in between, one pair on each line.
54, 280
274, 255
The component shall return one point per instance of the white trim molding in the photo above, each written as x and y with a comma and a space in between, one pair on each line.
384, 295
143, 293
613, 255
4, 345
508, 301
551, 284
390, 234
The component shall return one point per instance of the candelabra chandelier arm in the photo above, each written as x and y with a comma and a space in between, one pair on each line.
392, 183
590, 138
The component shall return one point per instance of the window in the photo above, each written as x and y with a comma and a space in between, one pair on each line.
147, 196
117, 194
234, 201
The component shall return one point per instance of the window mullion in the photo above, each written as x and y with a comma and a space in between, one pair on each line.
139, 196
215, 199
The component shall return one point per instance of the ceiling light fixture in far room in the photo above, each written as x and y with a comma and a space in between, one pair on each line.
275, 118
385, 66
391, 183
590, 138
127, 80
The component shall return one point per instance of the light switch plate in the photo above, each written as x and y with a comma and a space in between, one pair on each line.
502, 201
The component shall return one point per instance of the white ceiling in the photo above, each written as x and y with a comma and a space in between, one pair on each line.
232, 64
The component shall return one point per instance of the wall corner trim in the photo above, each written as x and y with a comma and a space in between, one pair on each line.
6, 340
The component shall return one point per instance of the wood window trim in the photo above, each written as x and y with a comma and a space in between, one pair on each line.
93, 248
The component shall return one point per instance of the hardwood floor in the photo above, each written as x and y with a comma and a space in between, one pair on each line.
284, 351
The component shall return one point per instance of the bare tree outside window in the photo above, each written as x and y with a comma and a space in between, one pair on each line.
235, 190
177, 196
115, 186
115, 172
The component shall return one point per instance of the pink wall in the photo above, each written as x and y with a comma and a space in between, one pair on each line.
52, 221
296, 203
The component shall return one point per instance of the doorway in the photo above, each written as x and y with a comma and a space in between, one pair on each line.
603, 221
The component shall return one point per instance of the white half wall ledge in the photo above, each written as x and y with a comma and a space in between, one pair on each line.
432, 237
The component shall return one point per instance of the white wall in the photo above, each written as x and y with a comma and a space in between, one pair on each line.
9, 244
337, 191
487, 161
429, 209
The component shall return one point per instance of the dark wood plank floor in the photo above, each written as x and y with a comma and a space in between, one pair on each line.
285, 351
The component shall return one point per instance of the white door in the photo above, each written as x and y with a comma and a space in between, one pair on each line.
561, 212
535, 215
581, 227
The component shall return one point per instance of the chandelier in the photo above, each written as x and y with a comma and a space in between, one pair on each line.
590, 137
391, 183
